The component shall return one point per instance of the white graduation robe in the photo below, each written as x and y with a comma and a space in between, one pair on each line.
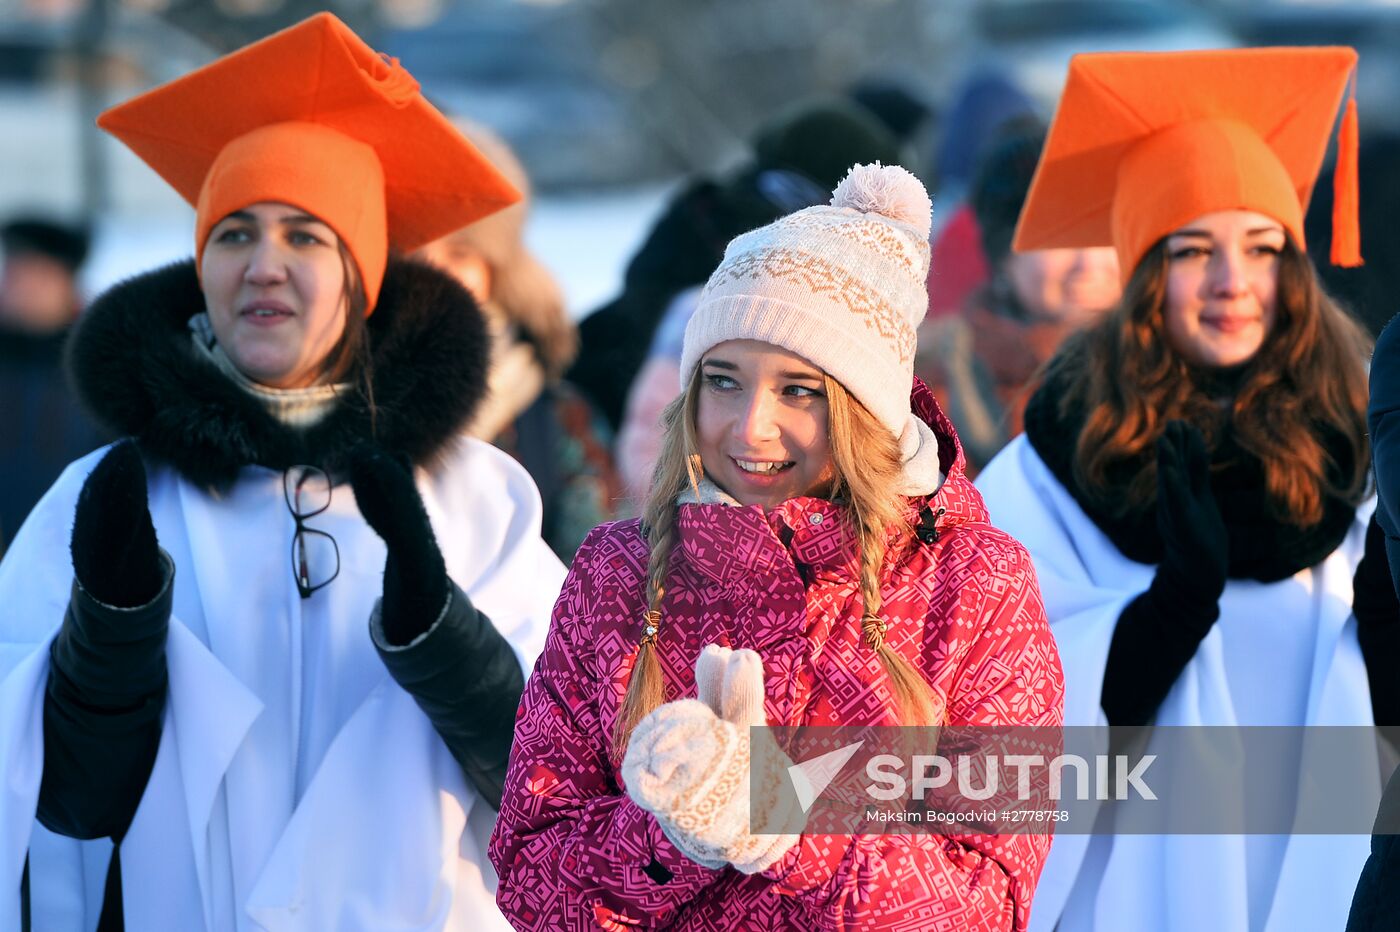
1156, 883
296, 786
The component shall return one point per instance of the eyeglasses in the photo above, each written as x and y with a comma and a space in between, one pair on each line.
315, 555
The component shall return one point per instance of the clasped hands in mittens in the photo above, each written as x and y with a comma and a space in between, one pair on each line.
415, 576
688, 764
116, 556
1195, 543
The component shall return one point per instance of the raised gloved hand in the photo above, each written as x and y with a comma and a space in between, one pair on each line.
107, 674
688, 764
1158, 632
115, 553
415, 577
1196, 546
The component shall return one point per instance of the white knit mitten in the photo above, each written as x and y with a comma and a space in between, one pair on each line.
688, 764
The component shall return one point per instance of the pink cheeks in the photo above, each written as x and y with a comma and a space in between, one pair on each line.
761, 422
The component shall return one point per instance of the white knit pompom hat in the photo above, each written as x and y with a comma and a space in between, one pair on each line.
842, 286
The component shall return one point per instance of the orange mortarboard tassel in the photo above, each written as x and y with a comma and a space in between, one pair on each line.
1346, 195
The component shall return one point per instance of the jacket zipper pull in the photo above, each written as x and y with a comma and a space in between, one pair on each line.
928, 526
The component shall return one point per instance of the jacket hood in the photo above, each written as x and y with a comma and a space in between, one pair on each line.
951, 460
135, 367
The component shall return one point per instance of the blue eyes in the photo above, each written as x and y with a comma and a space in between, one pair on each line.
724, 383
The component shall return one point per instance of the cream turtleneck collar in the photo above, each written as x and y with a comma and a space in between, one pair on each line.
294, 407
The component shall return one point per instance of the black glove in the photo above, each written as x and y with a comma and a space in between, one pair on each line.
115, 553
415, 577
1195, 545
107, 673
1159, 631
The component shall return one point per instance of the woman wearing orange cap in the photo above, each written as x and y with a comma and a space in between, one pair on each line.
184, 664
1192, 484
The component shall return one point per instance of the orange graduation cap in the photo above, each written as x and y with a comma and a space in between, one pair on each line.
1145, 142
313, 117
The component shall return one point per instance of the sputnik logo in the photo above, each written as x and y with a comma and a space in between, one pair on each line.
811, 777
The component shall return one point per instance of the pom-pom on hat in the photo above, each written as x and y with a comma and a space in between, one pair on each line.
313, 117
1145, 142
841, 286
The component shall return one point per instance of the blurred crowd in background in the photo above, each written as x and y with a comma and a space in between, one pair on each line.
647, 134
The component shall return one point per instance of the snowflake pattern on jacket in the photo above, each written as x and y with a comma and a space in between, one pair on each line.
575, 853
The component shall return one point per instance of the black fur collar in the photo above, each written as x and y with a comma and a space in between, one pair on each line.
1262, 547
136, 369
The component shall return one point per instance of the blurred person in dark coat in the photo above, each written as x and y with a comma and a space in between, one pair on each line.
980, 363
42, 428
906, 114
797, 159
529, 411
986, 106
1377, 901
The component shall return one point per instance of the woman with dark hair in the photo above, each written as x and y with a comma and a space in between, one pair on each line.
1193, 480
185, 666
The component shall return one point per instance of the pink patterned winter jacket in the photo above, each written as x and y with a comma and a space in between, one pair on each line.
574, 852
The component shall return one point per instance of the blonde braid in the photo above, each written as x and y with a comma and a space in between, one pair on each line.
915, 699
647, 687
868, 464
676, 467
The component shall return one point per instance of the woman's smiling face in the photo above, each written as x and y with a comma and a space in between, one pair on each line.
1222, 284
761, 422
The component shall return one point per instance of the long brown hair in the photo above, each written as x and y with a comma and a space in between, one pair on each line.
1302, 398
866, 465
